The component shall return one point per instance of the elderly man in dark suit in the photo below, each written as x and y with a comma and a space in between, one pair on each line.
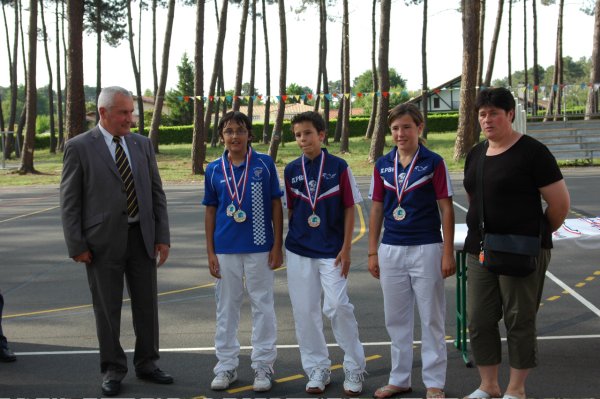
114, 216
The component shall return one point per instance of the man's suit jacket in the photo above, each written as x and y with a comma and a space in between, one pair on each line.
93, 197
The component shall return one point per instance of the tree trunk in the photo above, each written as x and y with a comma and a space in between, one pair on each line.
492, 57
480, 47
22, 117
325, 80
340, 115
66, 64
591, 108
237, 93
50, 82
371, 125
320, 70
31, 103
378, 140
98, 54
467, 119
346, 95
557, 76
164, 71
424, 95
525, 100
198, 140
509, 44
217, 64
252, 63
277, 129
154, 57
9, 143
536, 72
76, 98
136, 71
560, 60
266, 132
59, 99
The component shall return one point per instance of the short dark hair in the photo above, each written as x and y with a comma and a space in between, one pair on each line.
309, 116
498, 97
240, 118
409, 109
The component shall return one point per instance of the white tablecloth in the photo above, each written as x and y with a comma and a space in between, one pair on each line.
583, 233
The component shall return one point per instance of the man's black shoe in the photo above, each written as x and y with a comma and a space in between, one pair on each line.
158, 376
7, 356
111, 387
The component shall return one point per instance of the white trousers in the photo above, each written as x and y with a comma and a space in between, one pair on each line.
410, 274
307, 279
229, 292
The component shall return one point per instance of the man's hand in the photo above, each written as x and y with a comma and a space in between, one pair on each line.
85, 257
161, 251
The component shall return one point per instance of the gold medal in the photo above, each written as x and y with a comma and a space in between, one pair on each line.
239, 216
314, 220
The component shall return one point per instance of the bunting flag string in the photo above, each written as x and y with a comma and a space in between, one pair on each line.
337, 96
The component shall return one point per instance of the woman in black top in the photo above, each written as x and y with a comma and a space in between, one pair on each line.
518, 172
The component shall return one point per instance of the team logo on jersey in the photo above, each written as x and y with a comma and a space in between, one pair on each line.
257, 173
421, 168
297, 179
328, 176
401, 177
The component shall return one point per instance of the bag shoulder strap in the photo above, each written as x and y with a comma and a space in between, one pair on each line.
479, 189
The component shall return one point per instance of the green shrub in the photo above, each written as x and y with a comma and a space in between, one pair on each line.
42, 124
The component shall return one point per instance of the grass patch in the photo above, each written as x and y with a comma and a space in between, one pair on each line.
174, 160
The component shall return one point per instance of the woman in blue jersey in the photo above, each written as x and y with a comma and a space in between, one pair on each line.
243, 224
410, 188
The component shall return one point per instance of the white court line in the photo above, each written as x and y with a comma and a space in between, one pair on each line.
459, 206
571, 291
211, 348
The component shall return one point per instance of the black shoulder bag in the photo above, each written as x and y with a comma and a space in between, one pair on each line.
506, 254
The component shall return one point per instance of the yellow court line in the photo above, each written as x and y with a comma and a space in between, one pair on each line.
295, 376
553, 298
597, 273
28, 214
591, 278
39, 312
579, 285
363, 227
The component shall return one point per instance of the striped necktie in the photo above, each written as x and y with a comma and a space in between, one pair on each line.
127, 176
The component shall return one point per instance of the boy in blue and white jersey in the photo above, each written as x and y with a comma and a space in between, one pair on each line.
321, 193
244, 230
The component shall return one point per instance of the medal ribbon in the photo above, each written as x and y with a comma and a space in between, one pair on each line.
400, 191
313, 203
233, 192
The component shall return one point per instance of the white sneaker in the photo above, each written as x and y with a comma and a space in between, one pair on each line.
223, 379
353, 382
263, 379
318, 379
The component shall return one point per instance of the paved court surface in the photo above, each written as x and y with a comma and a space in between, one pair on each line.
49, 319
